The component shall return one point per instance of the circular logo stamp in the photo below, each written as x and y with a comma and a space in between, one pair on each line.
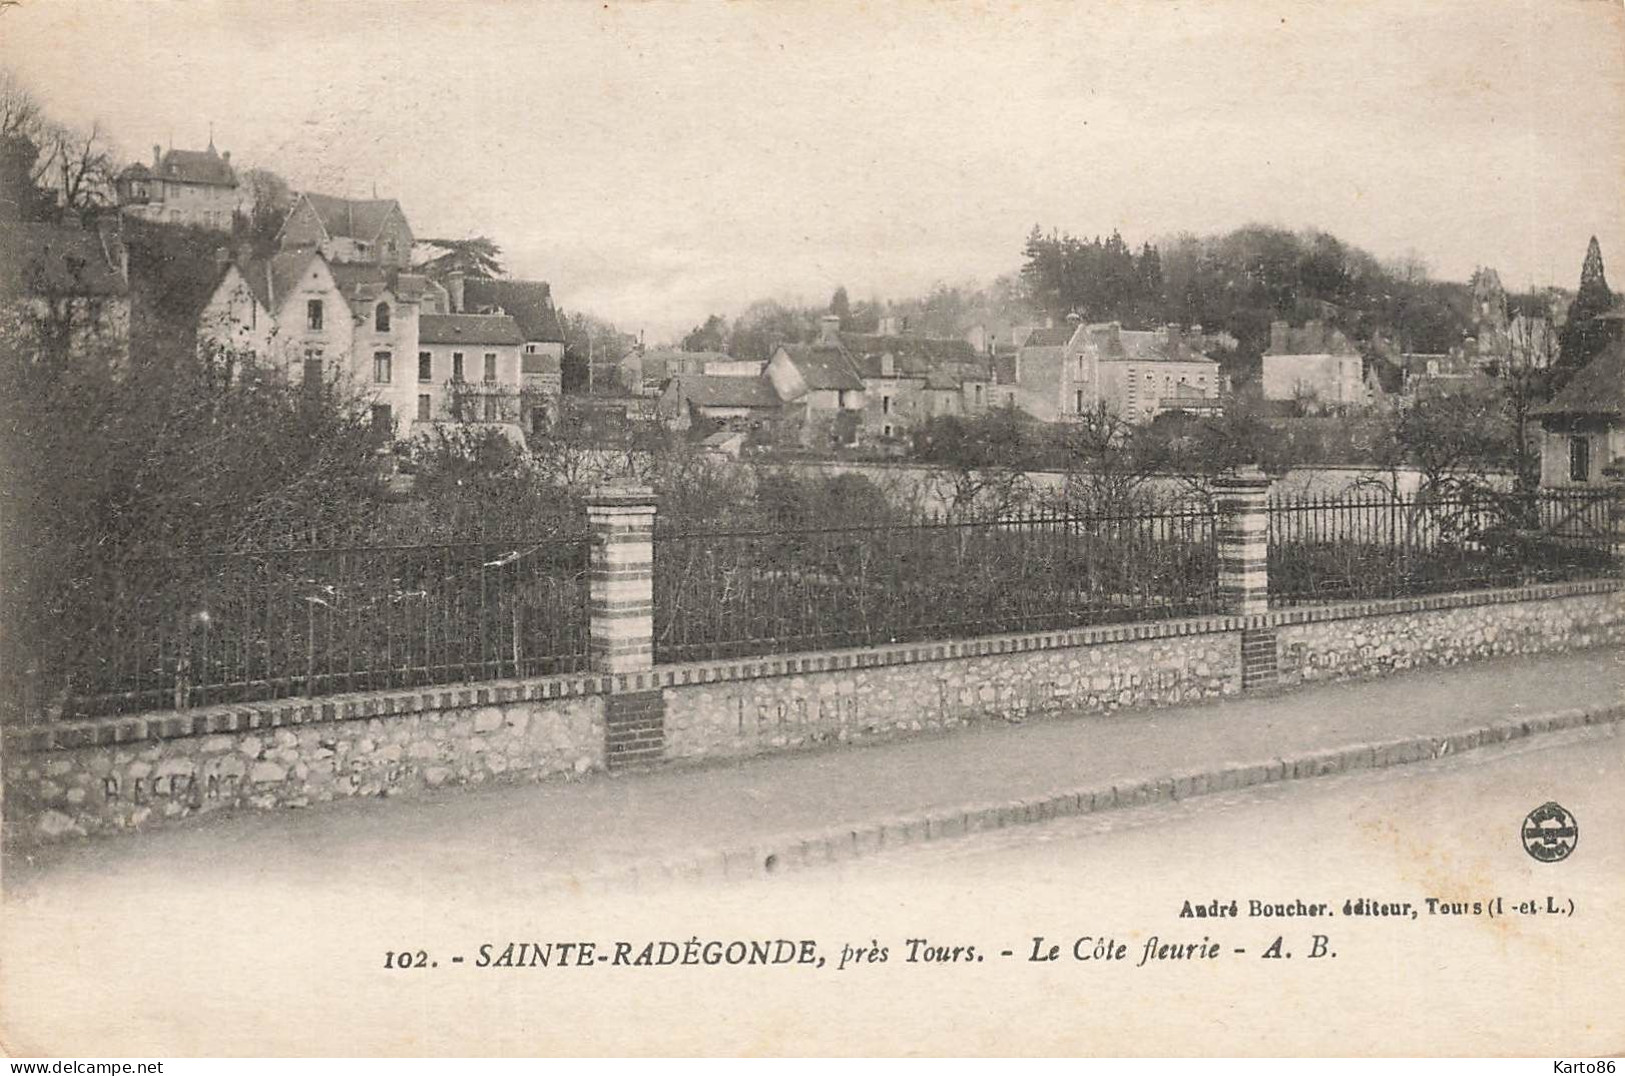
1550, 833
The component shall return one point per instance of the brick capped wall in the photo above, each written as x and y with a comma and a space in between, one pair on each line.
122, 773
1372, 638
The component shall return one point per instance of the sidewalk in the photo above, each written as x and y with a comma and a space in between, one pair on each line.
810, 806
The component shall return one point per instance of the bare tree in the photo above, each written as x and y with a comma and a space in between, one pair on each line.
20, 112
78, 165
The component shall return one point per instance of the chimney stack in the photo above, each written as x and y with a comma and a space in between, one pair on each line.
454, 286
157, 154
829, 330
1278, 338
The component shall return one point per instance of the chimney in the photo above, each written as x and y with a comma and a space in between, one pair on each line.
1316, 332
157, 153
829, 330
1278, 340
454, 287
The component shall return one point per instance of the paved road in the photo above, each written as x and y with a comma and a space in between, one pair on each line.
520, 835
133, 963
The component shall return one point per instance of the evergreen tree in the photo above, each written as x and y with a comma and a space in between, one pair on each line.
1583, 335
841, 307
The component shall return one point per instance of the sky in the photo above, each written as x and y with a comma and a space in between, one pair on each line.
660, 161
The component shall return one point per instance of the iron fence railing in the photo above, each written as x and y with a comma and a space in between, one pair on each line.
731, 593
1324, 549
206, 629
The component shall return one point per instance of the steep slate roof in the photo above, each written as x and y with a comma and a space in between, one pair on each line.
928, 350
715, 390
468, 329
1058, 336
204, 167
1598, 389
1138, 345
45, 260
824, 367
363, 281
352, 218
270, 279
528, 302
1315, 338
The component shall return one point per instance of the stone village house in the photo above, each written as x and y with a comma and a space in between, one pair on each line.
1313, 366
1061, 375
1583, 426
183, 186
338, 302
66, 288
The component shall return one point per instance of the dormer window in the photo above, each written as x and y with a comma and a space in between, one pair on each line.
380, 317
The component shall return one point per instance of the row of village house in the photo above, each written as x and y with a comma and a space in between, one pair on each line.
340, 300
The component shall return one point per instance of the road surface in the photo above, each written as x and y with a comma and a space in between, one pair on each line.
131, 961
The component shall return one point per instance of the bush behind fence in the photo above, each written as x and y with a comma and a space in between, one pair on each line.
145, 633
1324, 549
726, 594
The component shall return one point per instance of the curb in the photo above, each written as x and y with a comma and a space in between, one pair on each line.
821, 848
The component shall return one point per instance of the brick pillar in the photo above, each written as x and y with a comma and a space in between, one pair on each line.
1242, 503
621, 628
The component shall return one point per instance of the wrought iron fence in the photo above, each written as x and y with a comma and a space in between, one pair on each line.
732, 593
205, 629
1324, 549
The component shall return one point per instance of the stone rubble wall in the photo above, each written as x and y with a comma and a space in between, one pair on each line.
748, 717
121, 773
136, 784
1366, 645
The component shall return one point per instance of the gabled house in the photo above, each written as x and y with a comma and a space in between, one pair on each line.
183, 186
908, 379
1052, 373
719, 402
822, 379
1583, 426
1313, 365
66, 289
349, 229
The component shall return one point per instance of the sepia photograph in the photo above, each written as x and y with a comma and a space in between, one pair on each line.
730, 528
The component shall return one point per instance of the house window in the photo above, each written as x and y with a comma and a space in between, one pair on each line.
978, 395
530, 349
490, 367
885, 407
887, 431
313, 369
382, 419
1579, 459
381, 362
313, 314
490, 409
1080, 401
456, 365
423, 407
425, 366
380, 318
